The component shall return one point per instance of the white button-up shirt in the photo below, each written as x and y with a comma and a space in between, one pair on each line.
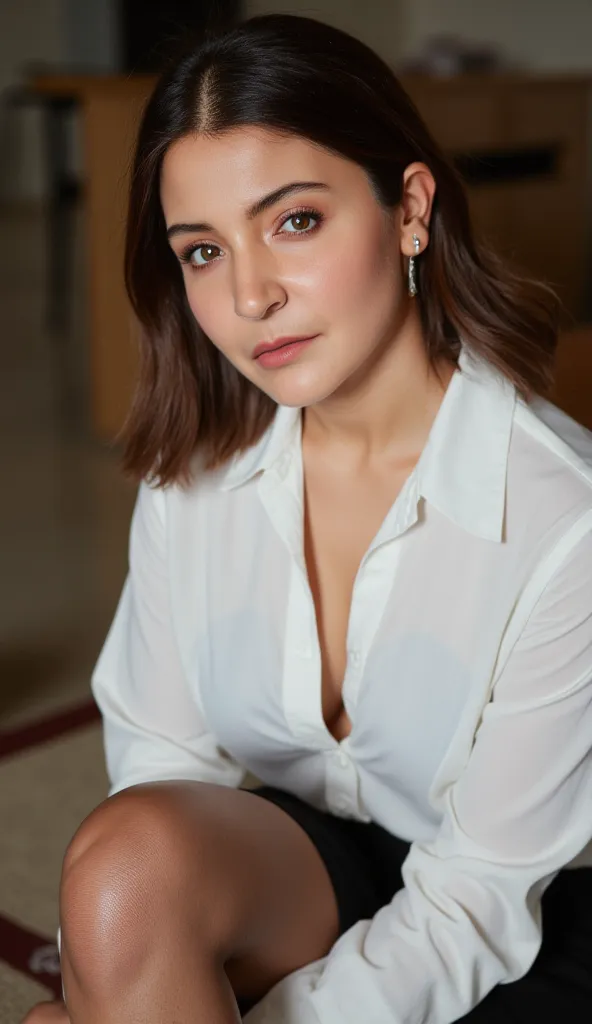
468, 685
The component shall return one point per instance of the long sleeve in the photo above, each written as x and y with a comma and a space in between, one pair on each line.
153, 726
469, 914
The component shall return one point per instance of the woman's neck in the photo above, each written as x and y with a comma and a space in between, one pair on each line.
387, 413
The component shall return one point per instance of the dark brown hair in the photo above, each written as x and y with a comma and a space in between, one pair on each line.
300, 76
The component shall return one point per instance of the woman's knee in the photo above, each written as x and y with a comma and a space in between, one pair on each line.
47, 1013
130, 871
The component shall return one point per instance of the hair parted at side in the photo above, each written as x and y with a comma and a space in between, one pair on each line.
300, 76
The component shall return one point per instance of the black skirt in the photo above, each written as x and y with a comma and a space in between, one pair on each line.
364, 863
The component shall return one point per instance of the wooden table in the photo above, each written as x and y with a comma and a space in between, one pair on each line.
458, 110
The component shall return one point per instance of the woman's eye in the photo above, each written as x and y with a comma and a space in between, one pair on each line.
207, 249
199, 256
302, 220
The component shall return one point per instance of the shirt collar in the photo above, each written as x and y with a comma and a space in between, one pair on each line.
462, 469
283, 433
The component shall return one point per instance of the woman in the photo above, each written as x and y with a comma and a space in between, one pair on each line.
360, 569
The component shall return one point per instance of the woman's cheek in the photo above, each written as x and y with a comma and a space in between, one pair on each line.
209, 315
349, 274
203, 310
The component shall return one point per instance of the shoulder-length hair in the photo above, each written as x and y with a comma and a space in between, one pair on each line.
297, 75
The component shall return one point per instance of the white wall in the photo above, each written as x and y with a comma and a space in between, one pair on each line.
29, 32
547, 35
90, 33
376, 22
55, 33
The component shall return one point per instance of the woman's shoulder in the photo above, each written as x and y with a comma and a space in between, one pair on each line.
550, 461
216, 486
197, 505
553, 432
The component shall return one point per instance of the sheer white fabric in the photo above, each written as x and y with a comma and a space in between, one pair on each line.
468, 683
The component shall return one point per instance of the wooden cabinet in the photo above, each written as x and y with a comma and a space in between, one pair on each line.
110, 107
532, 134
573, 378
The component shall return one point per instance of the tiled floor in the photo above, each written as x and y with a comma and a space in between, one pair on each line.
64, 505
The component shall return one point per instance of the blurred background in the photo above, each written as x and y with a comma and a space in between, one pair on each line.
505, 87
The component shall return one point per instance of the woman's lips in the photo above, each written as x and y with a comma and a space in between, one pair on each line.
283, 355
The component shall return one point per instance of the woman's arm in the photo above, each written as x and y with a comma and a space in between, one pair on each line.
153, 726
469, 914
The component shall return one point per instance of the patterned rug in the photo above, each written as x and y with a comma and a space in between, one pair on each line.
52, 775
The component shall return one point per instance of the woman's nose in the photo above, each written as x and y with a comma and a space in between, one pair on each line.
257, 291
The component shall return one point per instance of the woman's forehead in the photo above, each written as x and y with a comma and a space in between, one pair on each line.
243, 165
248, 149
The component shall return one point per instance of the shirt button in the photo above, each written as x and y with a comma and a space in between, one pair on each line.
341, 758
341, 804
354, 657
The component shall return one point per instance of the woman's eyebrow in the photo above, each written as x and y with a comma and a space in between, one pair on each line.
257, 207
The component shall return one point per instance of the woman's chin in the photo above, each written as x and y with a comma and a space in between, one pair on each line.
300, 397
297, 391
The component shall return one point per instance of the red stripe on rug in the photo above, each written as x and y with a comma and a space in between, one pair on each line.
31, 954
14, 740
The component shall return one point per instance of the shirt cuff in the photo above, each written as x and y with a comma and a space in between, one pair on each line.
288, 1001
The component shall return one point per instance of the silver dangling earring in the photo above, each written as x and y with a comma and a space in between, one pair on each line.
412, 271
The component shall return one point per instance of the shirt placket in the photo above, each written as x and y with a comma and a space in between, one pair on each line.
371, 590
280, 491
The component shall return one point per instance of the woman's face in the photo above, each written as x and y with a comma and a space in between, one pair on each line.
323, 260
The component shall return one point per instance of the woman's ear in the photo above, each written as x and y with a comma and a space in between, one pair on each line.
419, 188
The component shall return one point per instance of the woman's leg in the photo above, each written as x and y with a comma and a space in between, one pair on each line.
47, 1013
174, 895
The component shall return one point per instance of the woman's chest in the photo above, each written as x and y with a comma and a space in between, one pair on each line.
415, 636
341, 518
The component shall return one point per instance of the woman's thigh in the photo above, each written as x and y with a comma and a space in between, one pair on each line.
238, 862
